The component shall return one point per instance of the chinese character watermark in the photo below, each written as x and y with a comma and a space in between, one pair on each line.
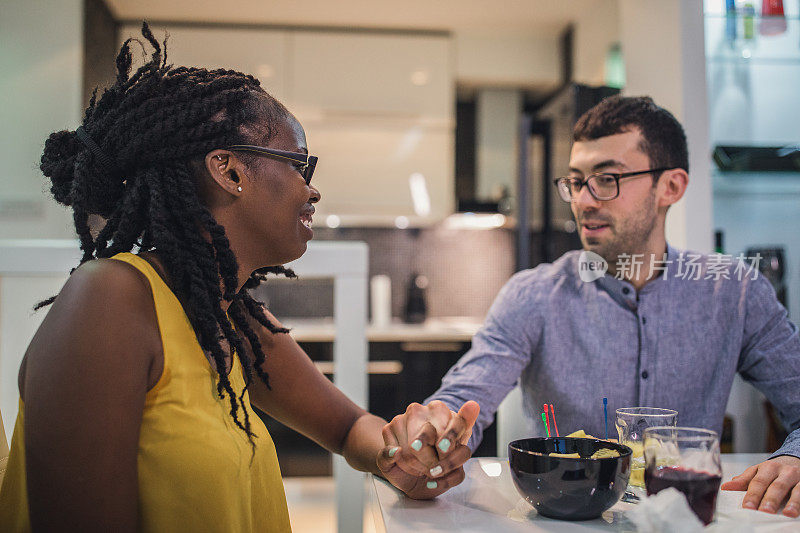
686, 266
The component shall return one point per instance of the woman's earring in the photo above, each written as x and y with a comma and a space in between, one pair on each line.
219, 158
239, 188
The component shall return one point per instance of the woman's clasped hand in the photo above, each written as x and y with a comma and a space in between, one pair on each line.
426, 448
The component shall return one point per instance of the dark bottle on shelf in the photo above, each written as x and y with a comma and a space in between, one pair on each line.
416, 307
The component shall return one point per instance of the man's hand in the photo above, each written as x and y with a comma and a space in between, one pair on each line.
769, 483
426, 448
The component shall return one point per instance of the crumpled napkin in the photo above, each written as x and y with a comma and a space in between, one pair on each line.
665, 512
669, 512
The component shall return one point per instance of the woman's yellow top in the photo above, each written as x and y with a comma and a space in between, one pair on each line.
194, 463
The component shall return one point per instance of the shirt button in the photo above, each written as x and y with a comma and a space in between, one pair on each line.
644, 374
626, 290
644, 320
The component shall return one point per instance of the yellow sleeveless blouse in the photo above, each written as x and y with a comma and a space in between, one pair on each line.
194, 464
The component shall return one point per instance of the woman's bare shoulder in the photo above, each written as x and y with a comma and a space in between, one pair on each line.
103, 318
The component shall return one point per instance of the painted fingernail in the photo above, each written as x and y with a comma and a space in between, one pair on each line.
444, 445
436, 471
749, 505
432, 484
417, 445
393, 451
768, 507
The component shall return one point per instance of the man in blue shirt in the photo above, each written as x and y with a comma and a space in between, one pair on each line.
661, 328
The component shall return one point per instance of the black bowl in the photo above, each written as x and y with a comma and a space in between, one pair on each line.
569, 488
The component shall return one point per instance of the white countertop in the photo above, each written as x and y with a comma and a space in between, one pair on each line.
445, 329
486, 501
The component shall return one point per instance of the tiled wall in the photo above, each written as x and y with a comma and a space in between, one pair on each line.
465, 269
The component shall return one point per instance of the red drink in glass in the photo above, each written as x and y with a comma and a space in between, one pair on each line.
700, 488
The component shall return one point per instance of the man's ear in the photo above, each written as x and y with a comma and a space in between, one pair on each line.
224, 168
671, 186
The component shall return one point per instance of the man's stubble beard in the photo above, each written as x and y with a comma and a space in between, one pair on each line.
629, 236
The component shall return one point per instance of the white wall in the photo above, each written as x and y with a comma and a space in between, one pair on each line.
41, 53
663, 47
596, 29
507, 59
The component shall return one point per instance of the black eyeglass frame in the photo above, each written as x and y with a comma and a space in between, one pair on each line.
616, 175
309, 162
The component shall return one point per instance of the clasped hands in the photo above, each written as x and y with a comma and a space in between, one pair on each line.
426, 448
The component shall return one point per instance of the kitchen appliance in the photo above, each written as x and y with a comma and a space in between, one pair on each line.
771, 263
758, 158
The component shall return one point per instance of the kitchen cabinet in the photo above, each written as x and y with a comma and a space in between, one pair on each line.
399, 373
372, 73
377, 107
365, 166
264, 54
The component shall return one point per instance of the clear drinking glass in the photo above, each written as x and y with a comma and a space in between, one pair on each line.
688, 460
631, 423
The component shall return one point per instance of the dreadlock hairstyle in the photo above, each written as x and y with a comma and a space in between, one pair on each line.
158, 124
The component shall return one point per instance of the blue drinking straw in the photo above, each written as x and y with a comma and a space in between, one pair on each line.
605, 414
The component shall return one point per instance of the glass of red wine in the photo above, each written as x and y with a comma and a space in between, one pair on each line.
686, 459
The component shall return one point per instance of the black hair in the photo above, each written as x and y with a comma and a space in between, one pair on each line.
663, 138
155, 128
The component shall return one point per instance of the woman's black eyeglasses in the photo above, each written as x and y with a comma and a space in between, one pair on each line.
602, 186
305, 163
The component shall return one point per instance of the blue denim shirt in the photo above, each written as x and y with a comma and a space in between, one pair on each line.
676, 343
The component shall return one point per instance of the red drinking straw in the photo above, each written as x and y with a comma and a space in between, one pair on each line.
547, 418
553, 412
544, 421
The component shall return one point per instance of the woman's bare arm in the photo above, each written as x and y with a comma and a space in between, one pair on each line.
304, 399
86, 374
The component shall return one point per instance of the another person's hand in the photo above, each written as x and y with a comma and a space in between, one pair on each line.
768, 484
426, 448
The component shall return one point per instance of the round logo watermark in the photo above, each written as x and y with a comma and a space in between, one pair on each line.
591, 266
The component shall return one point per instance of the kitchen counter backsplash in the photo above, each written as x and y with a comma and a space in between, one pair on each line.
465, 270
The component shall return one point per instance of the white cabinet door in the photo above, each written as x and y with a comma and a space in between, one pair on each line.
377, 108
261, 53
362, 73
365, 165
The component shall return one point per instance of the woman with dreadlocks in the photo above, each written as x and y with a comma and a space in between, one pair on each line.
135, 393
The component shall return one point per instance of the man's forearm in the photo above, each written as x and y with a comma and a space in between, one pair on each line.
363, 442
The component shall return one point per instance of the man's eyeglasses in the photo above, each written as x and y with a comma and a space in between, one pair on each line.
304, 163
602, 186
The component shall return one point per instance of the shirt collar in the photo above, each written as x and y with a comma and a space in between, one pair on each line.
624, 293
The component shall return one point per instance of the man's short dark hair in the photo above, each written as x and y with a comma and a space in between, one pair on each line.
663, 138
